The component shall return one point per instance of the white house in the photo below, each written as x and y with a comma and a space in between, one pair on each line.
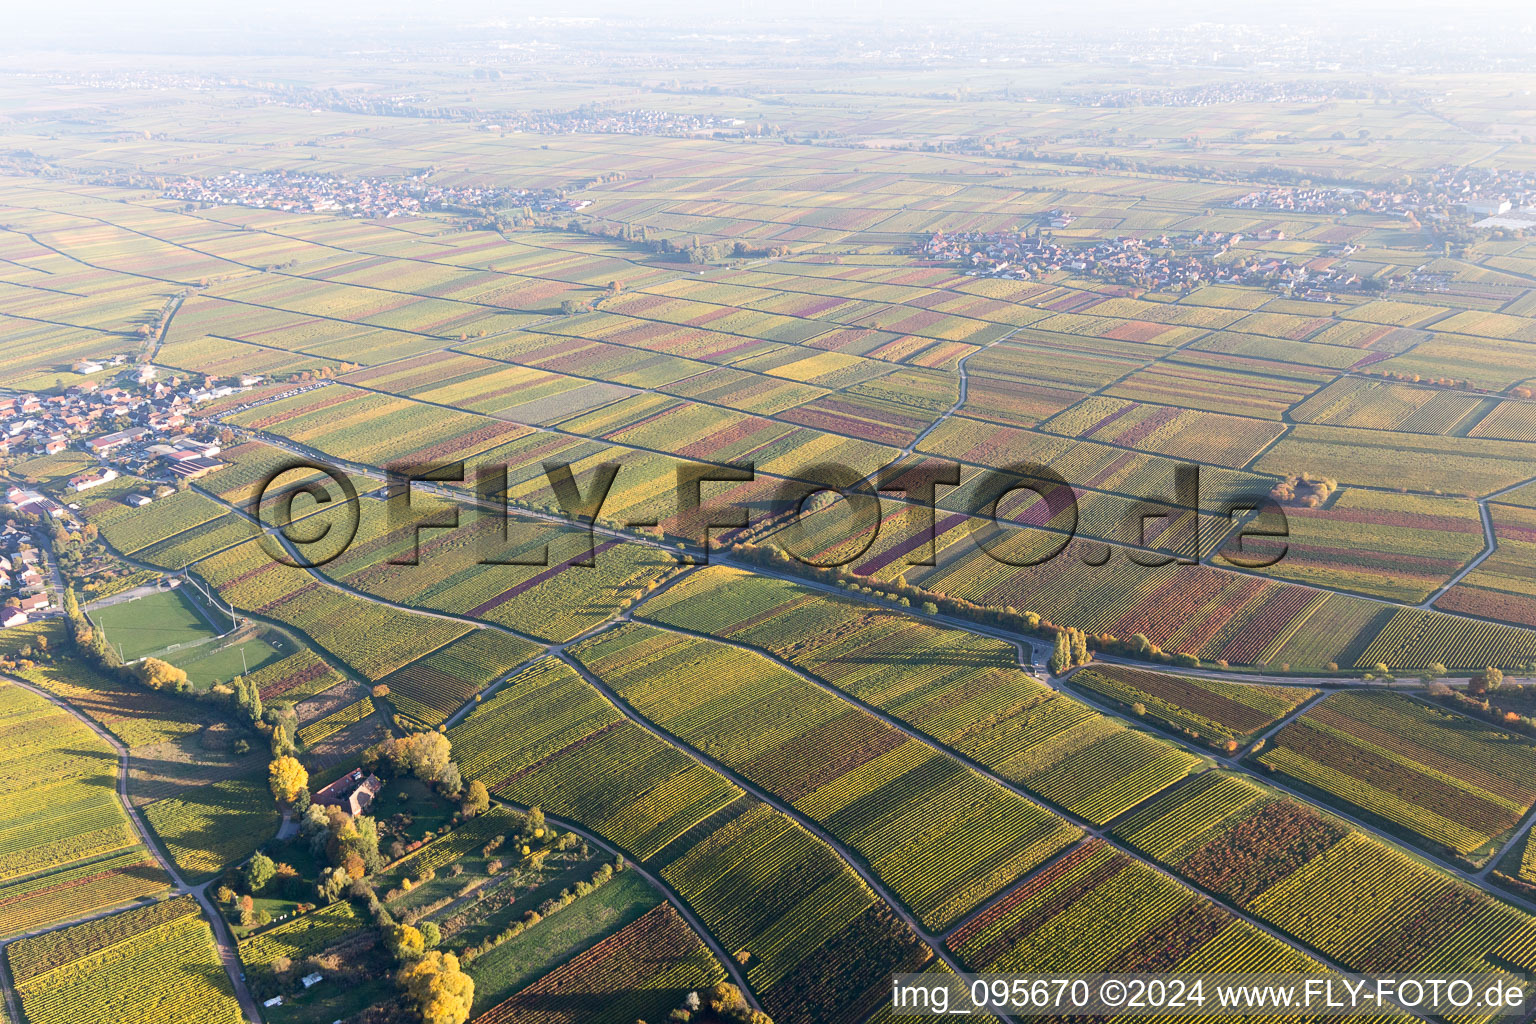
95, 478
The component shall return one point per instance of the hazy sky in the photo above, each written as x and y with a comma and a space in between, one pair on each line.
221, 25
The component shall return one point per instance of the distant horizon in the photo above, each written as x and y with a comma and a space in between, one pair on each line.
184, 27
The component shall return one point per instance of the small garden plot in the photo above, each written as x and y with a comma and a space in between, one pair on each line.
552, 941
475, 923
659, 951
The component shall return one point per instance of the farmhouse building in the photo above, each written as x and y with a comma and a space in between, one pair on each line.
353, 792
95, 478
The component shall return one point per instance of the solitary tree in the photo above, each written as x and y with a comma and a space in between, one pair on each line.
259, 872
287, 777
476, 799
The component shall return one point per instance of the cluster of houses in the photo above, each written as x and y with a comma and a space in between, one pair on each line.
1245, 90
46, 424
32, 424
1500, 198
355, 197
35, 503
1301, 200
21, 575
627, 122
1164, 264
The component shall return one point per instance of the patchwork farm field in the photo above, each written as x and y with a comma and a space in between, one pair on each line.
1099, 911
553, 740
658, 947
858, 777
965, 691
153, 964
1438, 777
66, 846
1366, 904
765, 525
1219, 713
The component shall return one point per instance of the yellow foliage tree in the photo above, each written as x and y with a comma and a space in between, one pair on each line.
404, 942
476, 799
161, 675
287, 776
440, 992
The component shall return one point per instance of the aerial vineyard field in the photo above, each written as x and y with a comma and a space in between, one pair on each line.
1446, 780
68, 811
211, 827
964, 690
182, 549
130, 530
372, 638
153, 965
863, 780
73, 892
1501, 586
134, 715
1398, 547
819, 944
432, 688
659, 950
1368, 905
1098, 911
1211, 275
565, 583
1211, 710
336, 721
295, 677
549, 738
